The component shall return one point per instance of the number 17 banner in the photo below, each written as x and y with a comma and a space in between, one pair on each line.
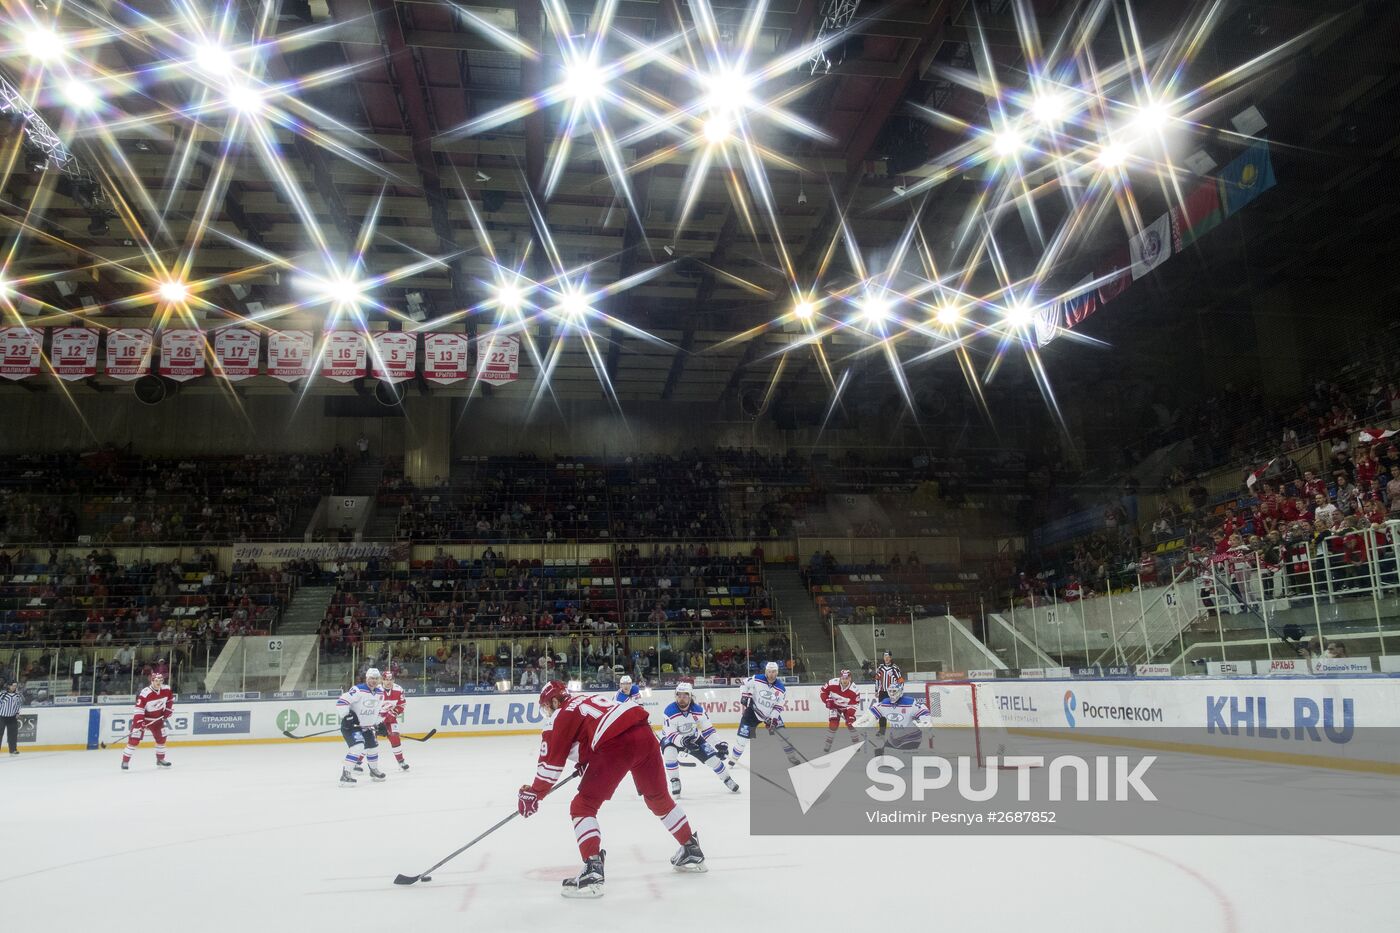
236, 353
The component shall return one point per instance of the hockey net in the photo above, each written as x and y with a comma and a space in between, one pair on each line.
967, 721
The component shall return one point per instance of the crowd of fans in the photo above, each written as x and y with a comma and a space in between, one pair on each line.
115, 496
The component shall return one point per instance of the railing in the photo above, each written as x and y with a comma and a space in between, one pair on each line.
1317, 590
67, 668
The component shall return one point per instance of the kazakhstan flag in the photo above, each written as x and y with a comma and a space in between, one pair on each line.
1247, 177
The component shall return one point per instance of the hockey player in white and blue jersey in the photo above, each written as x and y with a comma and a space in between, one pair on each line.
626, 690
686, 727
359, 708
906, 717
763, 699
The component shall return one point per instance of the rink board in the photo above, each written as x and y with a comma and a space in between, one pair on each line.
1193, 703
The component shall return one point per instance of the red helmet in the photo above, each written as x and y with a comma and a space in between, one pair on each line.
553, 690
845, 674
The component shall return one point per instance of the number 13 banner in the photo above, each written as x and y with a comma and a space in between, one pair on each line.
182, 354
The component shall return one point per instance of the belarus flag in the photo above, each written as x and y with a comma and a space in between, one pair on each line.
1198, 213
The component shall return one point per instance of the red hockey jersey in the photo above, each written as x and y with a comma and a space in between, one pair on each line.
153, 705
577, 728
834, 696
393, 706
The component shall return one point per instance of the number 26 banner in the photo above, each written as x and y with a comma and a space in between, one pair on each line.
182, 354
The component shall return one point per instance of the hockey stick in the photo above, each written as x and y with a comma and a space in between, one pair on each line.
420, 738
124, 741
309, 735
787, 743
427, 875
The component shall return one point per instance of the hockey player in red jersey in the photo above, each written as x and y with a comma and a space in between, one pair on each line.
841, 700
609, 740
390, 712
154, 705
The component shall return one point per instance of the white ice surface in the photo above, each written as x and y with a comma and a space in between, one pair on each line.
262, 834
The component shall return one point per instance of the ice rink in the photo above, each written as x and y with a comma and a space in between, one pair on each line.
263, 834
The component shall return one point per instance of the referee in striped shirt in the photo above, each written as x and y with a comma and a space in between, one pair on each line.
887, 675
10, 702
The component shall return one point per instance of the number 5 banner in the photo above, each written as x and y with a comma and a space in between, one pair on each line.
343, 356
20, 349
182, 354
498, 359
395, 355
236, 353
128, 353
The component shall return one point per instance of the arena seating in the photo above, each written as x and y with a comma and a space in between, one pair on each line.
115, 497
887, 593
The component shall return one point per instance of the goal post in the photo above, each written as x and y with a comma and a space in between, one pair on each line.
966, 720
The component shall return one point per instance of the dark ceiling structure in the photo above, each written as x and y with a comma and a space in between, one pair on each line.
715, 292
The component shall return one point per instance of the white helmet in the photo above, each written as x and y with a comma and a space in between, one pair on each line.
896, 690
372, 674
771, 666
625, 680
685, 688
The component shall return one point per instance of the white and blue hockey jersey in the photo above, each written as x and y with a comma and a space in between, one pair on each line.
678, 726
768, 700
364, 702
906, 716
630, 693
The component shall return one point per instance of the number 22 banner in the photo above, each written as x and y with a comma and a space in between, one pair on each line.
498, 359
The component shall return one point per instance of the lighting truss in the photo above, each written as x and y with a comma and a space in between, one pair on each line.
40, 135
837, 15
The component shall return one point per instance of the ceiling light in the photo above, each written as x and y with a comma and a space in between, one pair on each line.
727, 91
482, 176
1019, 314
214, 60
875, 308
584, 80
801, 193
43, 44
804, 310
1152, 117
1049, 107
173, 292
669, 249
1112, 155
509, 298
80, 95
573, 305
900, 189
344, 292
1008, 143
948, 314
245, 99
718, 129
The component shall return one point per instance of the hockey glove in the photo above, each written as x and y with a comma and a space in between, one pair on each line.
382, 731
776, 722
722, 749
527, 802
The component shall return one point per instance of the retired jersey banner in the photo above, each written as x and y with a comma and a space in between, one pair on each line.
236, 353
343, 356
20, 350
182, 354
445, 358
289, 354
395, 355
498, 359
129, 353
1152, 246
73, 354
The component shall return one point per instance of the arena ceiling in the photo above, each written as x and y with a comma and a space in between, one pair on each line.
743, 183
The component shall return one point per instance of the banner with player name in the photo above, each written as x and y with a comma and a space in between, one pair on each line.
236, 353
20, 351
129, 353
446, 358
319, 551
73, 353
182, 354
498, 359
343, 355
289, 354
395, 355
